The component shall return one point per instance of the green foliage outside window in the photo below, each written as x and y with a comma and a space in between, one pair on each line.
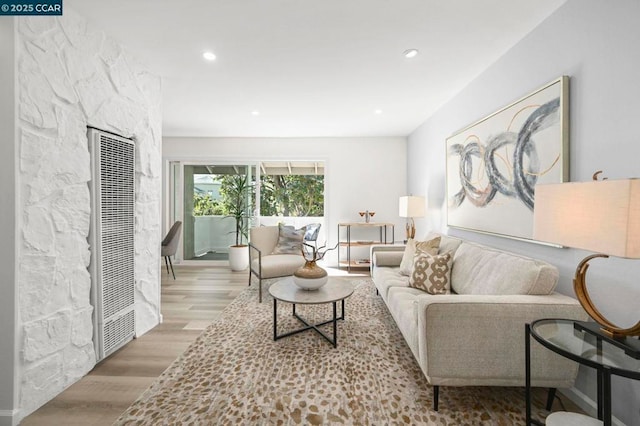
205, 205
292, 195
280, 195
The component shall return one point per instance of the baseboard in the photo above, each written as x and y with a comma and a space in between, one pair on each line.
585, 403
8, 417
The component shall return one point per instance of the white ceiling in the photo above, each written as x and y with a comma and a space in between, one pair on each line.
312, 68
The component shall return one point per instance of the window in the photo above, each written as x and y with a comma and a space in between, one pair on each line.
292, 189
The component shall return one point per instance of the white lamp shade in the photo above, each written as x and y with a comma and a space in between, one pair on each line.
599, 216
411, 206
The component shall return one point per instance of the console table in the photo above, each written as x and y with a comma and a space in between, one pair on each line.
346, 241
561, 337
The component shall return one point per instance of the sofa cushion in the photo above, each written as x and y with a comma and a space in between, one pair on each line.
447, 243
385, 278
403, 306
289, 240
264, 238
430, 246
483, 270
432, 273
278, 265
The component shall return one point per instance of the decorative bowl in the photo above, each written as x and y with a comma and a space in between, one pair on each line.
310, 283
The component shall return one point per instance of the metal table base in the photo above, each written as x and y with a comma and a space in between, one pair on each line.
308, 326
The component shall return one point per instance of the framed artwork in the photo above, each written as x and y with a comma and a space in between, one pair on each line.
494, 164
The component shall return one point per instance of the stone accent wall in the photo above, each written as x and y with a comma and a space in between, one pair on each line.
70, 77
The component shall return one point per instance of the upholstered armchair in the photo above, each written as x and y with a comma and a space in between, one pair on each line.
266, 260
170, 245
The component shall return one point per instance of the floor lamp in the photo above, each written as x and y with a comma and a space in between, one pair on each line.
602, 216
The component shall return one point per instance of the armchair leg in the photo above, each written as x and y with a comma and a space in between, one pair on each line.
171, 264
249, 285
550, 397
166, 262
260, 290
436, 394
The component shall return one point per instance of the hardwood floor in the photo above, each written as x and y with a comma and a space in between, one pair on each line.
189, 304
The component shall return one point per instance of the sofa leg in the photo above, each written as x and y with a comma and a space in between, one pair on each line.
550, 397
436, 394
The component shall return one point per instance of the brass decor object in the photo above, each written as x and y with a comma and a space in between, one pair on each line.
310, 276
410, 207
310, 270
367, 215
580, 287
602, 216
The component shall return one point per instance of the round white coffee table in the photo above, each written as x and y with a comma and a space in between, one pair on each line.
334, 291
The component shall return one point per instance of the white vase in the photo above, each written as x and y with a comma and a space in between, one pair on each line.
310, 276
238, 258
310, 283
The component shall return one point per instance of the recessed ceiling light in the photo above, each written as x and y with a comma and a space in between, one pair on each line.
209, 56
255, 112
378, 111
410, 53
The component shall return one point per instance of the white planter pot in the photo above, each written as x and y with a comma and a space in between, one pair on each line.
238, 258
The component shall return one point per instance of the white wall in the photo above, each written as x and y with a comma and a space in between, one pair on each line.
361, 173
70, 77
8, 312
596, 44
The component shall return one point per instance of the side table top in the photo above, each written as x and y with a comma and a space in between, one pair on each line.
334, 290
561, 336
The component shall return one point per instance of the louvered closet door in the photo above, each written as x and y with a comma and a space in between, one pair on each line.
112, 240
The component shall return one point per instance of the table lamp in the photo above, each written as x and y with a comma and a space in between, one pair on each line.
411, 206
602, 216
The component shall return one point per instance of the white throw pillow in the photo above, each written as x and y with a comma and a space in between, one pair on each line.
413, 247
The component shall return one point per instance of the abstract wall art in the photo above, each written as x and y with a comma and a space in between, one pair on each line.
494, 164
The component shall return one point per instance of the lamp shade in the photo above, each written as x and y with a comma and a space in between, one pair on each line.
411, 206
599, 216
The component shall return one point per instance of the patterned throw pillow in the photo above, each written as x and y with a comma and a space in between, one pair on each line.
412, 248
432, 273
289, 240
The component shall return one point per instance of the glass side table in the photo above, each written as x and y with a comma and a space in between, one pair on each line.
561, 337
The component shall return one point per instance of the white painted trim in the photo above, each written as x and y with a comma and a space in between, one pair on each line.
9, 417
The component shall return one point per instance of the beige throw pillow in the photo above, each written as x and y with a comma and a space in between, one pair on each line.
432, 273
289, 240
412, 248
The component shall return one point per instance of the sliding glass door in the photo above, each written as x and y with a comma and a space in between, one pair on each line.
204, 197
215, 203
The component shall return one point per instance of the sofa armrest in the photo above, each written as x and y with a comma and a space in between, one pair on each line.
475, 339
386, 255
387, 258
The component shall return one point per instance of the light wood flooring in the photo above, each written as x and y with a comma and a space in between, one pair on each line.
189, 304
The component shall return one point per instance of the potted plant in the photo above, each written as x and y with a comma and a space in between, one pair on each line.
235, 193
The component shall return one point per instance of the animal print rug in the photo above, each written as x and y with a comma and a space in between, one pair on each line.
235, 374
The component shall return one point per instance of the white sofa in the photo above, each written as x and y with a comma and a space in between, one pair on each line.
475, 336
